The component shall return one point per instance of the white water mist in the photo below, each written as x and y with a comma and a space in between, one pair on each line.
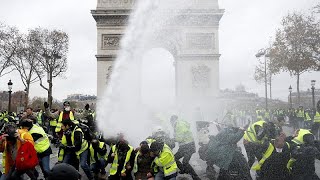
121, 109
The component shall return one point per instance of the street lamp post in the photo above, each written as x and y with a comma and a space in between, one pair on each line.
10, 91
290, 97
262, 52
313, 83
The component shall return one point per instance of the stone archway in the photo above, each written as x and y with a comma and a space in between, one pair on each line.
196, 52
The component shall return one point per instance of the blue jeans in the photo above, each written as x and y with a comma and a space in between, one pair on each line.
45, 165
3, 177
99, 166
160, 176
83, 162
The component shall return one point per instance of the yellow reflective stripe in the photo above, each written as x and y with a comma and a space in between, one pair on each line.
58, 127
252, 131
135, 166
114, 165
266, 155
170, 163
317, 117
4, 158
297, 141
60, 117
290, 163
61, 155
127, 159
308, 118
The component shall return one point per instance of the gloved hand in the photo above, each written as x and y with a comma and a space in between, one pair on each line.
46, 105
87, 107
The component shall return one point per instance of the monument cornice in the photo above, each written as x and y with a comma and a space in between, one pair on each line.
111, 20
110, 57
191, 57
111, 12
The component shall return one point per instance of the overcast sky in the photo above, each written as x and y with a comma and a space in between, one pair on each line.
246, 26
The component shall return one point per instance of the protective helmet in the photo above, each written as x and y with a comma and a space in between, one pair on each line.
64, 171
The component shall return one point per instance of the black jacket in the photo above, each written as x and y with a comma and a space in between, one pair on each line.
305, 156
275, 167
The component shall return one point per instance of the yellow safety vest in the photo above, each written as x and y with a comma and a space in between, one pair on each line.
250, 134
259, 117
166, 161
39, 117
183, 133
114, 165
84, 145
317, 117
92, 160
43, 143
53, 122
4, 154
266, 155
300, 114
299, 139
58, 128
308, 118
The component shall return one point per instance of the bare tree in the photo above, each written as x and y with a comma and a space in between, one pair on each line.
25, 62
296, 47
9, 41
52, 48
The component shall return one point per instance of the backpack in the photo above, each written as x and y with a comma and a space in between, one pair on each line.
26, 157
88, 134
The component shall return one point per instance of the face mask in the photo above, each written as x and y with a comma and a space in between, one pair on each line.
67, 108
279, 150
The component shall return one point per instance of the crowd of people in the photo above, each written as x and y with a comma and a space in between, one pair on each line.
27, 140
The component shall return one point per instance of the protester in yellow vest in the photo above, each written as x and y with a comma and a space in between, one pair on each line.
273, 165
41, 145
98, 159
142, 163
308, 119
183, 135
316, 122
164, 160
300, 116
74, 144
66, 113
121, 158
304, 153
254, 135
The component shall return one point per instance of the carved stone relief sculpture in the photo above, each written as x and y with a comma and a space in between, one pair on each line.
200, 76
111, 42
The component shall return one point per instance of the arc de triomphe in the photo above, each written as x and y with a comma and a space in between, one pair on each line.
196, 58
